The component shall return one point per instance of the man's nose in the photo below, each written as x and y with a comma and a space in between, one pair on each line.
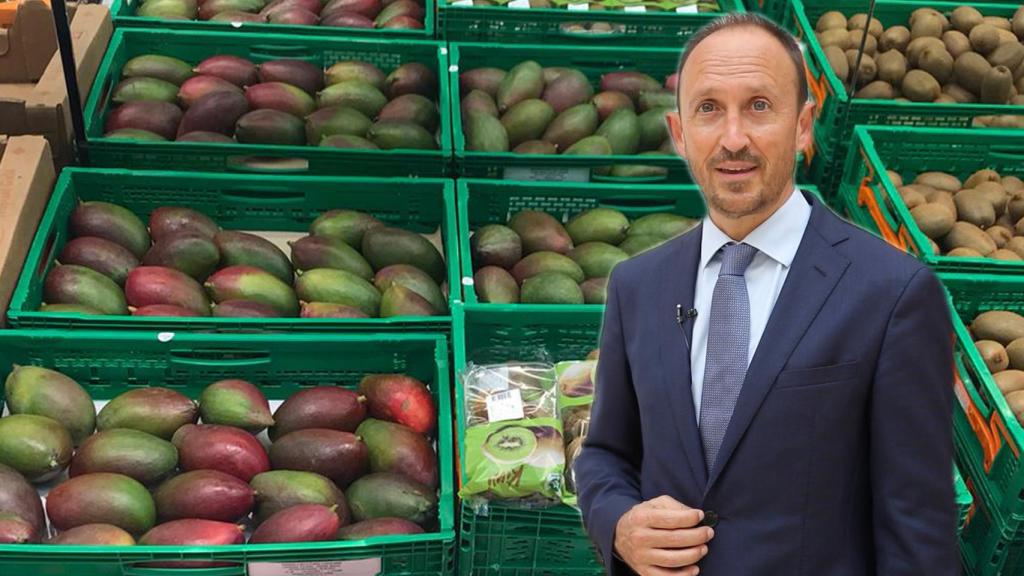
735, 137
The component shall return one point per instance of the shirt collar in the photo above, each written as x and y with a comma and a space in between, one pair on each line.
778, 237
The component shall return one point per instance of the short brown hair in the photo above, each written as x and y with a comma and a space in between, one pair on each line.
739, 19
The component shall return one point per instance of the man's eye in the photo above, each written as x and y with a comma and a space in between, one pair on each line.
760, 105
707, 108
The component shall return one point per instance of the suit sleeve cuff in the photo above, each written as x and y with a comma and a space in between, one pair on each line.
603, 521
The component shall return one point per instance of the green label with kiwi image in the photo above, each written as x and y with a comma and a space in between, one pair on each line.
515, 459
575, 382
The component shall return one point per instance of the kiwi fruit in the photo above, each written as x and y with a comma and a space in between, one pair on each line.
1019, 85
1000, 235
996, 85
1018, 228
1011, 183
1009, 54
895, 38
860, 22
966, 235
937, 62
892, 66
959, 93
956, 43
1014, 210
1003, 254
972, 206
1015, 401
965, 18
1006, 36
920, 13
917, 47
912, 198
1009, 380
994, 193
1017, 24
834, 37
939, 181
969, 70
934, 220
870, 43
837, 60
1015, 352
510, 445
983, 175
993, 354
830, 20
964, 253
920, 86
895, 178
944, 198
997, 22
984, 38
926, 25
868, 68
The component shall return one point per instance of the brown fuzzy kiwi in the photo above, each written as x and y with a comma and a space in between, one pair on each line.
829, 20
964, 18
1018, 228
920, 86
1006, 36
996, 85
959, 93
926, 25
870, 44
945, 199
1009, 381
860, 22
837, 60
1015, 351
928, 13
834, 37
995, 194
997, 22
939, 181
983, 175
868, 68
1017, 23
970, 70
994, 355
1016, 244
1003, 254
1000, 235
933, 220
892, 66
917, 47
894, 177
894, 38
972, 206
963, 252
938, 63
1009, 54
1012, 184
956, 42
984, 38
967, 235
912, 198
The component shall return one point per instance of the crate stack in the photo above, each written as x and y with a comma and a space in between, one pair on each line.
442, 166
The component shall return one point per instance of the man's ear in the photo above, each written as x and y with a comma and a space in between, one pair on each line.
675, 132
805, 126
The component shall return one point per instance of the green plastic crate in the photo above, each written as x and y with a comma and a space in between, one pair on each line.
964, 499
321, 51
777, 10
871, 200
108, 363
509, 541
468, 23
837, 113
989, 544
244, 202
592, 61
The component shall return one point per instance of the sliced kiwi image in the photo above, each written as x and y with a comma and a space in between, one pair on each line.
550, 449
576, 380
511, 445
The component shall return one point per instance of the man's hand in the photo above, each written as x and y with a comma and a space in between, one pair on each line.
661, 537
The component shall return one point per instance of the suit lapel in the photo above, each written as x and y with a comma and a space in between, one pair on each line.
816, 269
675, 353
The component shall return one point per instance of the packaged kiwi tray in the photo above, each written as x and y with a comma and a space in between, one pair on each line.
871, 200
321, 51
108, 363
125, 13
837, 112
623, 23
278, 206
988, 437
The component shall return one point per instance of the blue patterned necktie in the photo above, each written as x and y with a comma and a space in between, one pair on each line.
728, 348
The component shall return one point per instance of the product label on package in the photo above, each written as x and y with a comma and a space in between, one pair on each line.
507, 405
366, 567
690, 9
519, 4
554, 174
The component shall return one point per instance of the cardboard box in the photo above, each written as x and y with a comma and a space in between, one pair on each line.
27, 177
27, 40
42, 108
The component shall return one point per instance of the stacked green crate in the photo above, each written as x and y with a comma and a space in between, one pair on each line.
870, 198
192, 47
277, 204
108, 363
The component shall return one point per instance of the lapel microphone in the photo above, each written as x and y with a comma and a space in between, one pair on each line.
681, 318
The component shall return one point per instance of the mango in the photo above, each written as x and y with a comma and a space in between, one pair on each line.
244, 309
367, 8
290, 14
389, 135
165, 68
198, 86
349, 226
398, 300
348, 141
413, 108
256, 284
486, 80
36, 446
138, 455
535, 147
401, 399
398, 9
540, 262
597, 259
356, 94
598, 225
270, 127
110, 222
299, 73
157, 411
384, 246
69, 309
338, 287
14, 530
591, 146
142, 88
244, 249
163, 310
93, 535
280, 489
653, 128
70, 284
147, 285
340, 456
194, 256
158, 117
355, 70
662, 225
329, 310
495, 285
657, 99
378, 527
411, 78
235, 402
191, 532
280, 96
101, 498
210, 8
551, 288
329, 252
106, 257
539, 231
335, 120
302, 523
523, 82
330, 407
495, 245
346, 20
638, 170
387, 495
19, 498
569, 89
45, 392
236, 16
234, 69
485, 133
572, 126
415, 280
135, 134
478, 101
174, 220
595, 290
223, 448
622, 130
609, 101
204, 494
399, 449
217, 112
632, 84
527, 120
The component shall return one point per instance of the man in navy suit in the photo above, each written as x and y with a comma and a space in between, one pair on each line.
774, 387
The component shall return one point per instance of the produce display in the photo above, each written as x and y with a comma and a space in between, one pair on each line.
961, 57
161, 469
228, 99
682, 6
388, 14
535, 259
999, 338
351, 265
983, 216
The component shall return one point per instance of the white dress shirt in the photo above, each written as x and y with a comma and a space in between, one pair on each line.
776, 240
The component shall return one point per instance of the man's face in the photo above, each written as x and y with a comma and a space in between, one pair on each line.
739, 124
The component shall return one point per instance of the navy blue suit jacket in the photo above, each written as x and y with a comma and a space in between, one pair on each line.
838, 457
